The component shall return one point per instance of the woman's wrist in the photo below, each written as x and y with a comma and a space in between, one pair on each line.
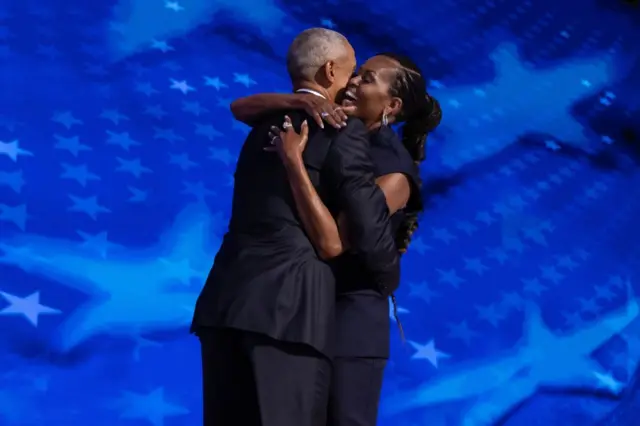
293, 161
298, 100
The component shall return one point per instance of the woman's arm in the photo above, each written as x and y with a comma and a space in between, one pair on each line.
396, 189
251, 109
324, 233
316, 218
328, 238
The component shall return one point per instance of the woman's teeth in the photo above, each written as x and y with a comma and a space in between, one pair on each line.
349, 96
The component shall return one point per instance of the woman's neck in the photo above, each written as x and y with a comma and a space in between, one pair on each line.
373, 126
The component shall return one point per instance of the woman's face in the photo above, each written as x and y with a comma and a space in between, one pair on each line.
368, 91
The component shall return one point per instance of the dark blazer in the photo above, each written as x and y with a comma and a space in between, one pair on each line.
362, 313
267, 277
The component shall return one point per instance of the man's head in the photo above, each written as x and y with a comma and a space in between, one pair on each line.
322, 60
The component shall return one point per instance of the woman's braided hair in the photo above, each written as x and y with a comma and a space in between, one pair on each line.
420, 115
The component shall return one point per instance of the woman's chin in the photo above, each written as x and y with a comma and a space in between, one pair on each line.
347, 103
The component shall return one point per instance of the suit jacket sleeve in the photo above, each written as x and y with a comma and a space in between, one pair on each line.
390, 156
350, 172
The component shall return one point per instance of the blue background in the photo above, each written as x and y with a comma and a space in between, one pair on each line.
116, 161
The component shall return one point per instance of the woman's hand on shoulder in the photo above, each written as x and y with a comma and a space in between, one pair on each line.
322, 110
287, 142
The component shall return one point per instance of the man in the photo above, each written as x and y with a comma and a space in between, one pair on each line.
264, 317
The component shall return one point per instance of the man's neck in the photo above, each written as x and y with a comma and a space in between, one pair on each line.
313, 87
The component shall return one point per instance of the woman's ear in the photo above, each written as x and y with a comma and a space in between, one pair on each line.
395, 107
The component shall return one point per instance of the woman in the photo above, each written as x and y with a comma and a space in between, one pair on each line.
388, 89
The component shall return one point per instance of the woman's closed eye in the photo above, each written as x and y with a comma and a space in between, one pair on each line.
368, 77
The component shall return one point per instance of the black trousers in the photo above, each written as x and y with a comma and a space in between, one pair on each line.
356, 384
252, 380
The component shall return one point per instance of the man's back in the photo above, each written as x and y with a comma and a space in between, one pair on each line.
262, 202
267, 277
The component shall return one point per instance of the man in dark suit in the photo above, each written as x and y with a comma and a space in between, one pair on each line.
265, 315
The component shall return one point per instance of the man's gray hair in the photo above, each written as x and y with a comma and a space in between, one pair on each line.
313, 48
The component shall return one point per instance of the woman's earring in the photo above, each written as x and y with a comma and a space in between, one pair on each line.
385, 119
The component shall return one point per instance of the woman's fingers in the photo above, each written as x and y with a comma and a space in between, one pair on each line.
341, 114
287, 125
317, 117
304, 132
326, 112
274, 133
331, 118
277, 136
334, 116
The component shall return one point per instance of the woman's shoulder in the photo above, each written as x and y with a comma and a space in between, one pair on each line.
390, 156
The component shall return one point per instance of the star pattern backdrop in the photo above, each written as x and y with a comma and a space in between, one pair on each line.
117, 152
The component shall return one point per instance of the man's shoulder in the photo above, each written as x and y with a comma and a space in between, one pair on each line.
354, 125
351, 143
277, 118
355, 129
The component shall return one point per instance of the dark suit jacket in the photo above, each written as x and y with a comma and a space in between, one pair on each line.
266, 277
362, 313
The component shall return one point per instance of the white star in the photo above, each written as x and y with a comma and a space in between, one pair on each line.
162, 46
181, 86
152, 407
607, 381
428, 352
328, 23
173, 5
29, 307
12, 150
214, 82
606, 139
552, 145
243, 79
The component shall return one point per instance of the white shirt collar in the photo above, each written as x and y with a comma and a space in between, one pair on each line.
310, 91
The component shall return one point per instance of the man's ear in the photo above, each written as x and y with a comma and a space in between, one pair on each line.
329, 71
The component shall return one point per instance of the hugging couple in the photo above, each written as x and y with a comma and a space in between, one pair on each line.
294, 317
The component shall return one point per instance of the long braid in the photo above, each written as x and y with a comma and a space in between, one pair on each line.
408, 226
403, 238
